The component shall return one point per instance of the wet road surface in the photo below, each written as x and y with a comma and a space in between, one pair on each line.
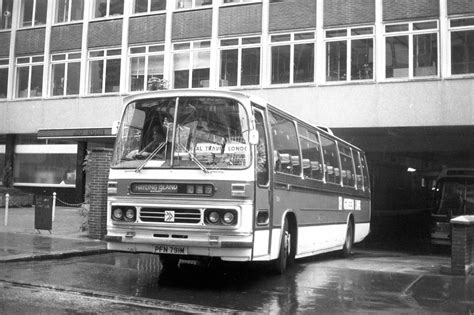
371, 282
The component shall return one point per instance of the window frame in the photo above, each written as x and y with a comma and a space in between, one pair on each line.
348, 38
6, 16
292, 43
33, 22
451, 30
240, 47
69, 12
105, 57
33, 61
4, 64
107, 12
69, 58
179, 5
411, 33
147, 54
149, 10
237, 2
190, 48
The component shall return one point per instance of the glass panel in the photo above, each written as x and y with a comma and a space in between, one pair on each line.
40, 14
42, 168
311, 150
58, 57
112, 76
331, 161
281, 38
210, 132
181, 70
362, 51
396, 28
425, 25
6, 14
74, 56
229, 67
22, 85
116, 7
358, 170
100, 8
304, 63
36, 81
347, 166
229, 42
362, 31
156, 48
27, 13
137, 50
157, 5
250, 72
137, 73
155, 69
94, 54
57, 79
200, 3
141, 6
62, 8
365, 172
303, 36
73, 78
462, 22
425, 55
3, 82
262, 154
285, 144
113, 52
281, 64
96, 69
183, 4
336, 61
336, 33
201, 69
462, 52
77, 10
250, 40
396, 57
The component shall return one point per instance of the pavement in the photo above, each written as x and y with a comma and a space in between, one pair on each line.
20, 241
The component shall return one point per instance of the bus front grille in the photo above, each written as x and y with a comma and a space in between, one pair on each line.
163, 215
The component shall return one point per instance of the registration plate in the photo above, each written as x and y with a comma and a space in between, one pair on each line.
175, 250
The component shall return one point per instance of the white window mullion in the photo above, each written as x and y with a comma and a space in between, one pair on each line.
239, 63
104, 71
30, 71
348, 59
292, 61
33, 14
411, 59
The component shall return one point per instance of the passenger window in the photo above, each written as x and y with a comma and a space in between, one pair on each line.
262, 155
331, 161
358, 170
287, 157
365, 172
311, 151
347, 165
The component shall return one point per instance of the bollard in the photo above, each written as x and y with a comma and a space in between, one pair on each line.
54, 206
7, 200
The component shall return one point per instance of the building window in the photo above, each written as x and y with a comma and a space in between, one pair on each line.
292, 58
411, 49
3, 78
107, 8
104, 71
29, 79
69, 10
239, 1
462, 46
191, 64
188, 4
146, 63
6, 7
65, 74
33, 12
144, 6
45, 165
350, 54
240, 61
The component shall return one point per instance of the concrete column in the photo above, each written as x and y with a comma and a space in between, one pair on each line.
462, 247
99, 163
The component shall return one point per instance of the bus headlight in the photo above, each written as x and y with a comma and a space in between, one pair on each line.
228, 218
214, 217
117, 214
130, 215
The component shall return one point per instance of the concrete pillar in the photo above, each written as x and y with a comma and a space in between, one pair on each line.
462, 247
99, 163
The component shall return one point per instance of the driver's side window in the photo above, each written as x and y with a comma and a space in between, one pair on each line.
262, 149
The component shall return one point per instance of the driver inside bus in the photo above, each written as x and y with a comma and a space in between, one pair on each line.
158, 139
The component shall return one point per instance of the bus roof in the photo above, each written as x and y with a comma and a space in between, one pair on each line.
236, 95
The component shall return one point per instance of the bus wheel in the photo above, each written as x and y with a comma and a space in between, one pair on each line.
169, 261
349, 242
284, 257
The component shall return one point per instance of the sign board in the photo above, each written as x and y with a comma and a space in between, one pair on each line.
43, 212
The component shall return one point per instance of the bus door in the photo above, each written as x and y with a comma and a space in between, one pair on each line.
263, 192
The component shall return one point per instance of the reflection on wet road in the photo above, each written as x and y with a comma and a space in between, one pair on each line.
363, 283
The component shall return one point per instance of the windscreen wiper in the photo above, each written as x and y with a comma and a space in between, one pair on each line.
152, 155
194, 158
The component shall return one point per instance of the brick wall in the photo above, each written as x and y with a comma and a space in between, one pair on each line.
105, 33
460, 6
462, 247
347, 12
5, 46
409, 9
192, 24
66, 37
292, 15
99, 164
30, 41
241, 19
146, 29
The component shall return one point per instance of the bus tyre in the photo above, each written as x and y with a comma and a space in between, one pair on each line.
169, 261
349, 242
285, 255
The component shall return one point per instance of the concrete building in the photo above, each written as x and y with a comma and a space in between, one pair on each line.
395, 77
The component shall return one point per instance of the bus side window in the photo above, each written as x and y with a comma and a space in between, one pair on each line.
365, 172
358, 170
347, 165
285, 142
331, 161
262, 155
311, 151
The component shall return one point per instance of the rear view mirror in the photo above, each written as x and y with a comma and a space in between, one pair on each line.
115, 127
253, 137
